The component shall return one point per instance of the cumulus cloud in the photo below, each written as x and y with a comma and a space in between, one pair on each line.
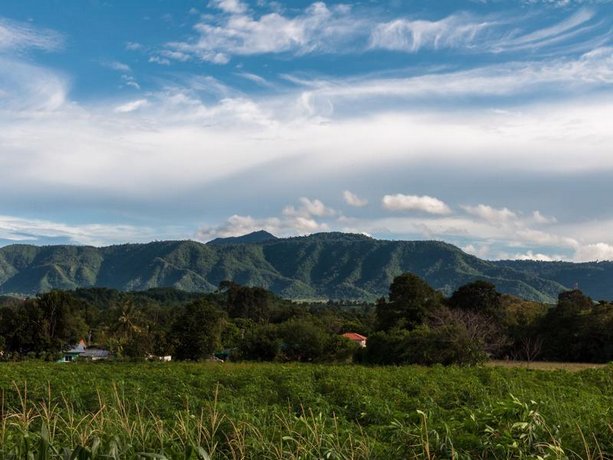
592, 252
541, 219
238, 225
308, 208
353, 200
400, 202
229, 6
305, 218
530, 255
490, 214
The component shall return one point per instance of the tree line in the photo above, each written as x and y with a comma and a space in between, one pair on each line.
413, 324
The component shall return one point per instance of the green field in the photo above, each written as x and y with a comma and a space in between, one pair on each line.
122, 410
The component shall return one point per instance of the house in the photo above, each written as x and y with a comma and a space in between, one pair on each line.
357, 338
95, 354
81, 351
72, 354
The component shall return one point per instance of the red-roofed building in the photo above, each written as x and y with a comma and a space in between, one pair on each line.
357, 338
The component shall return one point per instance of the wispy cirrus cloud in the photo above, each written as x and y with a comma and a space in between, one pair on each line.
487, 34
339, 29
318, 28
412, 35
17, 36
131, 106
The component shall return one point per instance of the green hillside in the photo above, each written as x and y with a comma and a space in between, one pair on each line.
325, 265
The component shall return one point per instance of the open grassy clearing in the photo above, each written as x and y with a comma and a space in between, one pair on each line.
116, 410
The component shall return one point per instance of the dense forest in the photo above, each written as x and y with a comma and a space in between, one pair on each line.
315, 267
414, 323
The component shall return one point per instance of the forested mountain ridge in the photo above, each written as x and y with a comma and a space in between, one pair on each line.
325, 265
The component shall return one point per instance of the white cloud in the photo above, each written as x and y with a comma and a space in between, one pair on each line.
16, 36
400, 202
491, 215
530, 255
309, 208
30, 88
131, 106
159, 60
336, 28
229, 6
592, 252
216, 133
303, 219
541, 219
592, 70
134, 46
116, 65
538, 237
353, 200
479, 250
548, 35
412, 35
318, 28
37, 230
487, 35
255, 79
238, 225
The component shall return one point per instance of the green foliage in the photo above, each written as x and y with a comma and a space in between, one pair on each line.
479, 296
197, 331
410, 300
292, 411
252, 303
261, 343
578, 329
448, 344
321, 266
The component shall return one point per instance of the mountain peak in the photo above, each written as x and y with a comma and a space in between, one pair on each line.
261, 236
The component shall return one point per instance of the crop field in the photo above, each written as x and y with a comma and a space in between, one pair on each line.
545, 365
277, 411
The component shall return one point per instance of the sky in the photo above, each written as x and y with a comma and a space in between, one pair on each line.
487, 124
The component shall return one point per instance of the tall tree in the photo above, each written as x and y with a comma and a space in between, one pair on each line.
197, 331
410, 299
479, 296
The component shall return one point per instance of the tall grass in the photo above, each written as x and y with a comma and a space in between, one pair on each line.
460, 418
120, 429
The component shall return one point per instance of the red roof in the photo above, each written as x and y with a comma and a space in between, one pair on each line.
354, 336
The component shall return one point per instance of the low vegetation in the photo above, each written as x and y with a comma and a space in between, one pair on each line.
300, 411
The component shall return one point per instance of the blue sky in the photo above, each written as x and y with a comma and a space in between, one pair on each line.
487, 124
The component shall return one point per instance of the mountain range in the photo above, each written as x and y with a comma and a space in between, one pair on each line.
319, 266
